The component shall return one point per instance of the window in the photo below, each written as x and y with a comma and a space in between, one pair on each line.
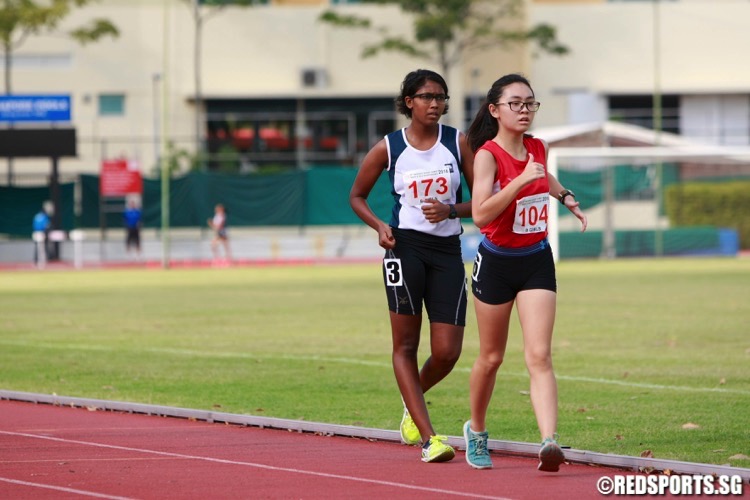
111, 105
40, 61
273, 132
638, 110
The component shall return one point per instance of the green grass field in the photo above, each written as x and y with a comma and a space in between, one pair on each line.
642, 350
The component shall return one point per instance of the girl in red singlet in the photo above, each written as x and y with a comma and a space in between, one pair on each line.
514, 264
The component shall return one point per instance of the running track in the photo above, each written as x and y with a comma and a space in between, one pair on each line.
54, 452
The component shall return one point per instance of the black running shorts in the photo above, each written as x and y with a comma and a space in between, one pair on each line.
426, 269
497, 278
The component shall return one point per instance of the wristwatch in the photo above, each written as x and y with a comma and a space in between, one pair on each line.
564, 193
453, 214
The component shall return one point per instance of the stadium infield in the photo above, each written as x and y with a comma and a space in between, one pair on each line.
720, 445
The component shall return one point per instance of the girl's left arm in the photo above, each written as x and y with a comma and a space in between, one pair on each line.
570, 202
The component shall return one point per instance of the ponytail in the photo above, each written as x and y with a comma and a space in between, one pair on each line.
483, 128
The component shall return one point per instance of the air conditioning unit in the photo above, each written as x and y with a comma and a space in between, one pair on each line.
314, 78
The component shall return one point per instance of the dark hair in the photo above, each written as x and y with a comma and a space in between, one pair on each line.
484, 127
411, 84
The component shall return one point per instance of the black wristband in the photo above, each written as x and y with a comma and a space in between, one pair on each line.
564, 193
453, 213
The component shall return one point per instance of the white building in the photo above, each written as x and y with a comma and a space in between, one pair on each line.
689, 52
275, 71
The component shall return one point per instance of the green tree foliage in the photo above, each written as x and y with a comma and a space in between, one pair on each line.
20, 19
445, 29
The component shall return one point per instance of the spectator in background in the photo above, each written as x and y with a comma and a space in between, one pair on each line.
132, 217
40, 227
221, 238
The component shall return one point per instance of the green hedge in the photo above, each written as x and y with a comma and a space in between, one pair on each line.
633, 243
719, 204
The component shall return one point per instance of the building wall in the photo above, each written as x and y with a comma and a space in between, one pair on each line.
247, 53
695, 48
260, 52
125, 65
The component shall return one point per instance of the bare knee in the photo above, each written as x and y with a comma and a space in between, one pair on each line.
405, 346
445, 344
446, 356
405, 352
538, 360
491, 362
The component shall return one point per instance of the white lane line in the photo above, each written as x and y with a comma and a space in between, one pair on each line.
661, 387
87, 460
61, 488
256, 465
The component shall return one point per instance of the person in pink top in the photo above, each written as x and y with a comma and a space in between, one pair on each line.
514, 263
221, 236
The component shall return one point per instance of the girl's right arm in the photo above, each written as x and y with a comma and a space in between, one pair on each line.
372, 166
487, 206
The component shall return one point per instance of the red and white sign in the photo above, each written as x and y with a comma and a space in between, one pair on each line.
120, 177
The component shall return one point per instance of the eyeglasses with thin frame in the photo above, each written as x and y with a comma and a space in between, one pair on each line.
428, 97
517, 106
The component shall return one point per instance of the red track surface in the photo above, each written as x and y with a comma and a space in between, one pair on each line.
52, 452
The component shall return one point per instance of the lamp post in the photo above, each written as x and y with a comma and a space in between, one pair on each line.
164, 170
156, 79
476, 99
657, 124
657, 104
197, 68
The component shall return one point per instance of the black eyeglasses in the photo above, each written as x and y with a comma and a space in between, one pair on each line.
517, 106
427, 98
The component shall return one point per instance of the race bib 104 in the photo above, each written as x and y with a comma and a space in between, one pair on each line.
531, 214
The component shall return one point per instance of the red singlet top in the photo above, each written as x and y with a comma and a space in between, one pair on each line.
524, 221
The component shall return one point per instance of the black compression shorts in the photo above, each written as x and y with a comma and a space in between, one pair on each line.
498, 276
426, 269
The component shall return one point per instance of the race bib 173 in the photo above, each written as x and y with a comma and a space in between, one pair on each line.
423, 185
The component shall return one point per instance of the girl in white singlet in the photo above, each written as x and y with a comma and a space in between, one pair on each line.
422, 264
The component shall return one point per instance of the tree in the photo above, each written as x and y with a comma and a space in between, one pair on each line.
202, 10
20, 19
452, 27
